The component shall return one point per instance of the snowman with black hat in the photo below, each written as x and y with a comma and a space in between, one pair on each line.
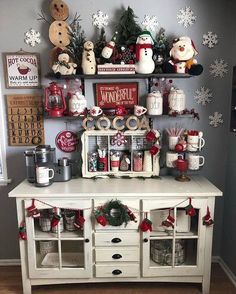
144, 53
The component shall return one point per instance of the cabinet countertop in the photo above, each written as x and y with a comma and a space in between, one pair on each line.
163, 187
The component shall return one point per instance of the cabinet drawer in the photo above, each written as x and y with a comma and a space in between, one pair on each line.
118, 254
117, 239
117, 270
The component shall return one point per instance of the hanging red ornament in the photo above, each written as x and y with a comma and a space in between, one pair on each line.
33, 211
151, 136
190, 209
131, 215
55, 218
146, 224
101, 220
207, 219
154, 150
169, 222
79, 220
22, 231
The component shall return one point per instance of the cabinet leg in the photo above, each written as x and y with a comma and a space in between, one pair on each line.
205, 286
26, 287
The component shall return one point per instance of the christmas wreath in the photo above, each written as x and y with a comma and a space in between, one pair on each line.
114, 213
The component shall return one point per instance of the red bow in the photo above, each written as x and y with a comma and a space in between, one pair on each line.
139, 47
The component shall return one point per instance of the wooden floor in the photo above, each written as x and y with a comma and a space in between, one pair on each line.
10, 283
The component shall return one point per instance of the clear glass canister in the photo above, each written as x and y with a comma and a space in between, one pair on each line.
138, 161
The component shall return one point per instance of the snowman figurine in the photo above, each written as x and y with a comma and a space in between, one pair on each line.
88, 59
145, 64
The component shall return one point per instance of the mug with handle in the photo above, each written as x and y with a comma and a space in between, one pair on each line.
195, 161
139, 110
43, 176
195, 143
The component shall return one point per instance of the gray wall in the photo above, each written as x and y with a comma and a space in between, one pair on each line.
16, 17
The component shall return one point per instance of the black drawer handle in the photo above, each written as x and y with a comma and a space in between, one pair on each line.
145, 240
116, 272
116, 256
116, 240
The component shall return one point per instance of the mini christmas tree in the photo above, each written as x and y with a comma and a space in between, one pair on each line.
77, 39
127, 28
161, 49
100, 44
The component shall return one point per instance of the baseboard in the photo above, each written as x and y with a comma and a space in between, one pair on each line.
226, 269
9, 262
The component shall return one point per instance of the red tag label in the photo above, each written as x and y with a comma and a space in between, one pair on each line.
66, 141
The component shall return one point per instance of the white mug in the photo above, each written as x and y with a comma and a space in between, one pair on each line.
171, 157
96, 111
43, 174
195, 143
195, 161
139, 110
173, 140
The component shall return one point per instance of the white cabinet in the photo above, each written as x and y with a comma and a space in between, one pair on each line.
117, 253
62, 251
177, 251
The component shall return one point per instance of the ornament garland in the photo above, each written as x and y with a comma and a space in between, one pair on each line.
114, 213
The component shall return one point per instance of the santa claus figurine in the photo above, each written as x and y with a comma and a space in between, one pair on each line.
107, 51
143, 50
182, 59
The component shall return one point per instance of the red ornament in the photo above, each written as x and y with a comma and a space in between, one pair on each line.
120, 110
190, 209
79, 220
154, 150
33, 211
151, 136
207, 220
101, 220
179, 147
146, 224
66, 141
22, 232
169, 222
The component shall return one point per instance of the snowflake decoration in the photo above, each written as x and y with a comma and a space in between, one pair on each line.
150, 22
210, 40
32, 37
216, 119
218, 68
203, 96
118, 139
186, 17
100, 19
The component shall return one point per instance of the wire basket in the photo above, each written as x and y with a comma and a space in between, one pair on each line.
161, 252
46, 247
45, 223
69, 217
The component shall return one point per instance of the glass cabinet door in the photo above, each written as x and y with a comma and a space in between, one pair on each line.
174, 248
60, 247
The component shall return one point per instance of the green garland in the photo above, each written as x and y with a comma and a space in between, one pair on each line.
123, 216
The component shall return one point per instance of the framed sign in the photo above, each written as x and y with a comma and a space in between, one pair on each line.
25, 120
110, 95
22, 70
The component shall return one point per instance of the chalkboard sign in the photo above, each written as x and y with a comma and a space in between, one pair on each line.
25, 120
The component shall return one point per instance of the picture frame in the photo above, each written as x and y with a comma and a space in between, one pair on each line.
22, 70
111, 95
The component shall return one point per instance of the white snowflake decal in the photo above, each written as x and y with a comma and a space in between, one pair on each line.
100, 19
218, 68
32, 37
216, 119
203, 96
210, 40
186, 17
150, 23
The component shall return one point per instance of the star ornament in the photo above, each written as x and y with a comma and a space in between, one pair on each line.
100, 19
150, 22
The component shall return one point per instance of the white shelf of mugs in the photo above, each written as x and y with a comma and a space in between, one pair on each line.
112, 153
184, 151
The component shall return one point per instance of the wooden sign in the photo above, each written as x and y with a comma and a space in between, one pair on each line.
22, 70
25, 120
111, 95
